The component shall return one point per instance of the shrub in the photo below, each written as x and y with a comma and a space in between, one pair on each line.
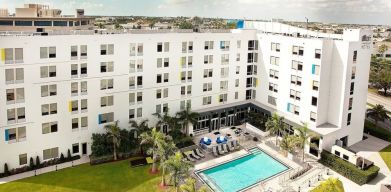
69, 156
347, 169
184, 142
6, 171
32, 166
94, 160
376, 131
62, 158
102, 145
37, 162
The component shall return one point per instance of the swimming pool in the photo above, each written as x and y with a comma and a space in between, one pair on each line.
243, 172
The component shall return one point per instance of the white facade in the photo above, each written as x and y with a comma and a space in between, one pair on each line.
229, 77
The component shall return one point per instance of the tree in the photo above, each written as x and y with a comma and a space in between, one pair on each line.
380, 74
155, 139
275, 125
178, 168
330, 185
140, 127
32, 166
303, 136
190, 186
185, 25
113, 132
378, 113
289, 143
168, 148
187, 116
117, 26
382, 49
171, 122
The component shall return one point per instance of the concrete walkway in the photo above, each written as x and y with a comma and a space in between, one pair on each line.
82, 160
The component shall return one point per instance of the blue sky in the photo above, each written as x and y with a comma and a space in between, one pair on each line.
341, 11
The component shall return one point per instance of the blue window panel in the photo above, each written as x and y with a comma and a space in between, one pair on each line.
240, 24
60, 23
6, 23
313, 69
221, 44
288, 107
42, 23
23, 23
7, 136
100, 119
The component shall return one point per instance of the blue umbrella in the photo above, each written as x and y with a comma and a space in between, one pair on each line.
221, 139
206, 141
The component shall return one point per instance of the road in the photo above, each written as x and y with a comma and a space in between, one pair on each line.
376, 99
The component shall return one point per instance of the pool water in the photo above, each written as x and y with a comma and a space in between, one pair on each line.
243, 172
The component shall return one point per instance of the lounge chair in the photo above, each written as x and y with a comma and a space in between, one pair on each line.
225, 148
192, 154
198, 152
230, 147
189, 158
236, 144
214, 149
220, 149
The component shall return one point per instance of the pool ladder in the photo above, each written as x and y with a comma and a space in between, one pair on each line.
255, 151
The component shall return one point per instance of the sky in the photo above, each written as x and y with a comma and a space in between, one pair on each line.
335, 11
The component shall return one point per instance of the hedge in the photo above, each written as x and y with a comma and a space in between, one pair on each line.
347, 169
376, 131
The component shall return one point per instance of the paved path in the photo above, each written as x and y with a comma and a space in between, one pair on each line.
84, 159
376, 99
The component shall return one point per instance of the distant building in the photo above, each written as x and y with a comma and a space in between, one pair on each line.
386, 54
33, 16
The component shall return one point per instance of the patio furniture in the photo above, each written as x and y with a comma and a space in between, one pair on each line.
199, 153
236, 144
206, 141
221, 139
189, 158
225, 148
149, 160
214, 149
220, 149
230, 147
192, 154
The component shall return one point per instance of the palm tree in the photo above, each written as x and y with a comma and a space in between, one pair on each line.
190, 186
113, 132
378, 113
275, 125
140, 127
168, 148
303, 137
163, 119
330, 185
178, 168
187, 116
156, 141
289, 143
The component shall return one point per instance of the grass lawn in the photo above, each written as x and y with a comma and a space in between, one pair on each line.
116, 176
386, 156
377, 131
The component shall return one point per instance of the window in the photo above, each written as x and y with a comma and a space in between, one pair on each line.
275, 47
207, 87
187, 47
15, 134
132, 82
351, 88
236, 82
131, 113
349, 118
84, 122
223, 85
208, 45
207, 100
15, 115
132, 98
106, 67
15, 95
23, 159
223, 98
296, 50
345, 157
224, 45
109, 83
314, 101
273, 87
83, 69
83, 87
50, 127
14, 76
353, 72
140, 112
105, 118
48, 71
75, 148
158, 93
237, 56
139, 97
74, 52
139, 65
337, 153
318, 53
297, 65
106, 49
208, 59
166, 75
274, 60
107, 101
272, 100
49, 109
253, 45
47, 52
251, 70
236, 95
296, 80
293, 109
48, 90
140, 81
224, 72
237, 70
225, 59
50, 153
83, 51
208, 73
83, 105
74, 70
313, 116
252, 57
315, 69
354, 56
132, 66
136, 49
273, 74
315, 85
13, 55
75, 123
350, 103
295, 94
163, 46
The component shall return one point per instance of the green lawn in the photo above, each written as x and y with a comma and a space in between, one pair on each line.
386, 155
116, 176
377, 131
